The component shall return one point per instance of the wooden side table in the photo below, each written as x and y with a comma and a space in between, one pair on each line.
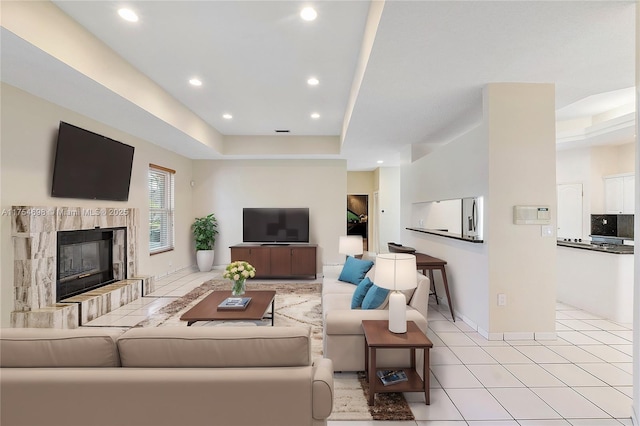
424, 262
378, 336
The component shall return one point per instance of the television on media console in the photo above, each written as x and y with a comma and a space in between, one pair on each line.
275, 225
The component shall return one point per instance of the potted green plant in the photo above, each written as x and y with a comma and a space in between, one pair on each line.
205, 230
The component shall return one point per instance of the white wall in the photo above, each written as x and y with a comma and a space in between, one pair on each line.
456, 170
603, 163
389, 206
224, 187
588, 166
574, 166
445, 214
28, 136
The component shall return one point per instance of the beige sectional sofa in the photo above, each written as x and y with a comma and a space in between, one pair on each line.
174, 376
343, 338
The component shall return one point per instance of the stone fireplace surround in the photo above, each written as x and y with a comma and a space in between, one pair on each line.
34, 233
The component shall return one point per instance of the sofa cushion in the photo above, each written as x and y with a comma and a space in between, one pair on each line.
354, 270
47, 348
216, 347
360, 293
333, 286
349, 322
336, 302
376, 298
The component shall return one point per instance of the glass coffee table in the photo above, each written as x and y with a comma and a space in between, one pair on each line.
258, 308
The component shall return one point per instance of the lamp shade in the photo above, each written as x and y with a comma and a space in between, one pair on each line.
350, 245
396, 271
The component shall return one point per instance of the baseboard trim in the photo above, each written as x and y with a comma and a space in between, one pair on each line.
526, 335
546, 335
513, 336
469, 322
490, 336
191, 267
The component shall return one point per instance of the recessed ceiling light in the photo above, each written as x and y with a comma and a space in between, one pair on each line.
380, 161
195, 82
313, 81
128, 15
315, 115
227, 116
308, 14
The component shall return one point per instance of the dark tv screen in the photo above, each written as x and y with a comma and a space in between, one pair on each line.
275, 225
90, 166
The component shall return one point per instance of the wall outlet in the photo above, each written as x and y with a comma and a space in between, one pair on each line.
502, 299
546, 231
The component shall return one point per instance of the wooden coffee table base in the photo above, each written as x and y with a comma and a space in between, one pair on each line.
378, 336
207, 308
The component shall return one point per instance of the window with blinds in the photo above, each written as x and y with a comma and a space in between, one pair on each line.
161, 189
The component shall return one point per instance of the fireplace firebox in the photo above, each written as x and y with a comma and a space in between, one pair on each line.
85, 261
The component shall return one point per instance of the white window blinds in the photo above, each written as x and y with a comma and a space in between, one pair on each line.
161, 189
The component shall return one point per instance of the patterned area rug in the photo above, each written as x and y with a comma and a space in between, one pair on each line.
296, 304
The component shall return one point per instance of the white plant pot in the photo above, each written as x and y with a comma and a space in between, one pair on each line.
204, 259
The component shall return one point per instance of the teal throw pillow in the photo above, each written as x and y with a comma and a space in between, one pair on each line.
375, 297
354, 270
360, 293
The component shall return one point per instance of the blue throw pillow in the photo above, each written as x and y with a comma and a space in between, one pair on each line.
360, 293
375, 297
354, 270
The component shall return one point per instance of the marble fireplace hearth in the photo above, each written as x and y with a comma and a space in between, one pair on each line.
34, 233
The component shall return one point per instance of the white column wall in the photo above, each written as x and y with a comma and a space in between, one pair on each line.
522, 171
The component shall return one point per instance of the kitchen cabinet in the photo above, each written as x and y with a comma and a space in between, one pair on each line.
278, 260
599, 282
619, 193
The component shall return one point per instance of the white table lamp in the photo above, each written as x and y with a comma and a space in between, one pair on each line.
396, 271
351, 245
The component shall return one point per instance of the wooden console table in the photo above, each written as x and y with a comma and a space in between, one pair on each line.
278, 260
424, 262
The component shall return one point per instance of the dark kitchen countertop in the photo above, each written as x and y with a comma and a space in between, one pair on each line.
613, 249
446, 234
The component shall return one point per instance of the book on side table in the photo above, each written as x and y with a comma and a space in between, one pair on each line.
234, 303
390, 377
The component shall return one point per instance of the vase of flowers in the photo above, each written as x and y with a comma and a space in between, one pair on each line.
239, 272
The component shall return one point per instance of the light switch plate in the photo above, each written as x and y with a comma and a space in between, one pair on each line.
546, 231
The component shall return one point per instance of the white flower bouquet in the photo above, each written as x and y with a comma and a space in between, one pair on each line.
239, 272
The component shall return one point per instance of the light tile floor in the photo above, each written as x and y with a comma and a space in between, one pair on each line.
584, 378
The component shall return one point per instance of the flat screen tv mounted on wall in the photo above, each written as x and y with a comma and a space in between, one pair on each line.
275, 225
90, 166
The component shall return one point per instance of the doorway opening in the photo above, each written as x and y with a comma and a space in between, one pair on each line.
358, 218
